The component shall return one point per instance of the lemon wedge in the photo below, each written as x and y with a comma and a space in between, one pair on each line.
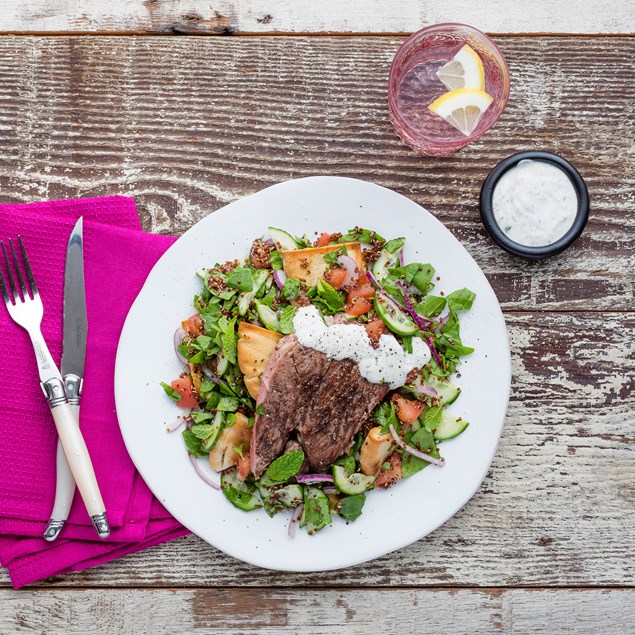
464, 70
462, 108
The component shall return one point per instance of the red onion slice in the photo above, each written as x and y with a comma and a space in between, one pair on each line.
279, 278
308, 479
427, 390
421, 322
402, 261
268, 241
329, 489
385, 293
202, 474
442, 321
209, 374
178, 422
352, 270
434, 352
179, 334
413, 451
293, 523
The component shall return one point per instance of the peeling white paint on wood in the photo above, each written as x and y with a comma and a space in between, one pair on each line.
301, 16
323, 612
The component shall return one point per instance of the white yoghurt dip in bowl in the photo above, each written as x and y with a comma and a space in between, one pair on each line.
534, 204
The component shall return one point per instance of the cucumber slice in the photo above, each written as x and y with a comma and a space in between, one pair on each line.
449, 427
282, 239
347, 461
239, 493
347, 483
222, 365
388, 258
268, 317
396, 320
246, 297
317, 510
448, 392
218, 424
289, 496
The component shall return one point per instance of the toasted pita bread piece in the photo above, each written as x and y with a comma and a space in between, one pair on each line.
309, 266
254, 347
223, 454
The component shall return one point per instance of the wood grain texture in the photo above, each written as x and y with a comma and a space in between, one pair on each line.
555, 508
187, 126
297, 16
349, 612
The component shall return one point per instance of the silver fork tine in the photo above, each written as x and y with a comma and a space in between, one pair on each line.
3, 286
27, 266
18, 271
15, 297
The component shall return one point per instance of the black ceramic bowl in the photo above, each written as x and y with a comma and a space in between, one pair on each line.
534, 253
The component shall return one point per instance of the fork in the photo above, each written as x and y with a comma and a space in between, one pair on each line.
26, 310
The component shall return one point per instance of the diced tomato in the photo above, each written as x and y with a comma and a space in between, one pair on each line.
358, 306
375, 328
389, 477
335, 277
323, 240
193, 325
244, 466
183, 385
407, 410
361, 291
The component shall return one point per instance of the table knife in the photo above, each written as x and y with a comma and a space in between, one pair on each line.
72, 369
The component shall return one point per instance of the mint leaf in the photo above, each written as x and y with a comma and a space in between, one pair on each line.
431, 306
170, 392
285, 466
350, 507
286, 319
229, 342
201, 417
394, 245
461, 300
385, 416
359, 234
332, 256
330, 298
275, 260
228, 404
432, 418
193, 444
291, 288
240, 279
202, 430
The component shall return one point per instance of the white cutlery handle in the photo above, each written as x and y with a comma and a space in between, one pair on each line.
64, 490
77, 456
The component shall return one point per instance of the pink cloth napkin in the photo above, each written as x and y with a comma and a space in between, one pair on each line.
118, 257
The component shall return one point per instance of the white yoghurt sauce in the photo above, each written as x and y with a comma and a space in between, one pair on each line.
388, 363
535, 203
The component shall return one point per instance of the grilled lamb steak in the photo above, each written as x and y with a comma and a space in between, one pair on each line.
325, 401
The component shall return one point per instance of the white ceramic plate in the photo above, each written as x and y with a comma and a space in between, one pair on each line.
393, 518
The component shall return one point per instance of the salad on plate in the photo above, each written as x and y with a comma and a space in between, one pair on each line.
316, 370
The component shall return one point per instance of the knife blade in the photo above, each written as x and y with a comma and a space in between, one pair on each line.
72, 369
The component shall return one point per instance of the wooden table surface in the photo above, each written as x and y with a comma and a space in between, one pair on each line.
188, 124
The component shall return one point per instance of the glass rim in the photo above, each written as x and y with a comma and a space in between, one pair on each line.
392, 92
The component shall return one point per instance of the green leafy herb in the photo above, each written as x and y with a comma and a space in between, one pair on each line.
385, 415
201, 417
347, 461
303, 242
431, 306
332, 256
432, 418
285, 466
202, 430
240, 279
424, 440
291, 288
193, 443
394, 245
239, 450
228, 404
286, 319
229, 341
260, 410
407, 343
461, 300
328, 297
361, 235
170, 392
275, 260
350, 507
385, 466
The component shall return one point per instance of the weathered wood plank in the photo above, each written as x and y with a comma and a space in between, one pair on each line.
188, 125
350, 612
299, 16
555, 508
